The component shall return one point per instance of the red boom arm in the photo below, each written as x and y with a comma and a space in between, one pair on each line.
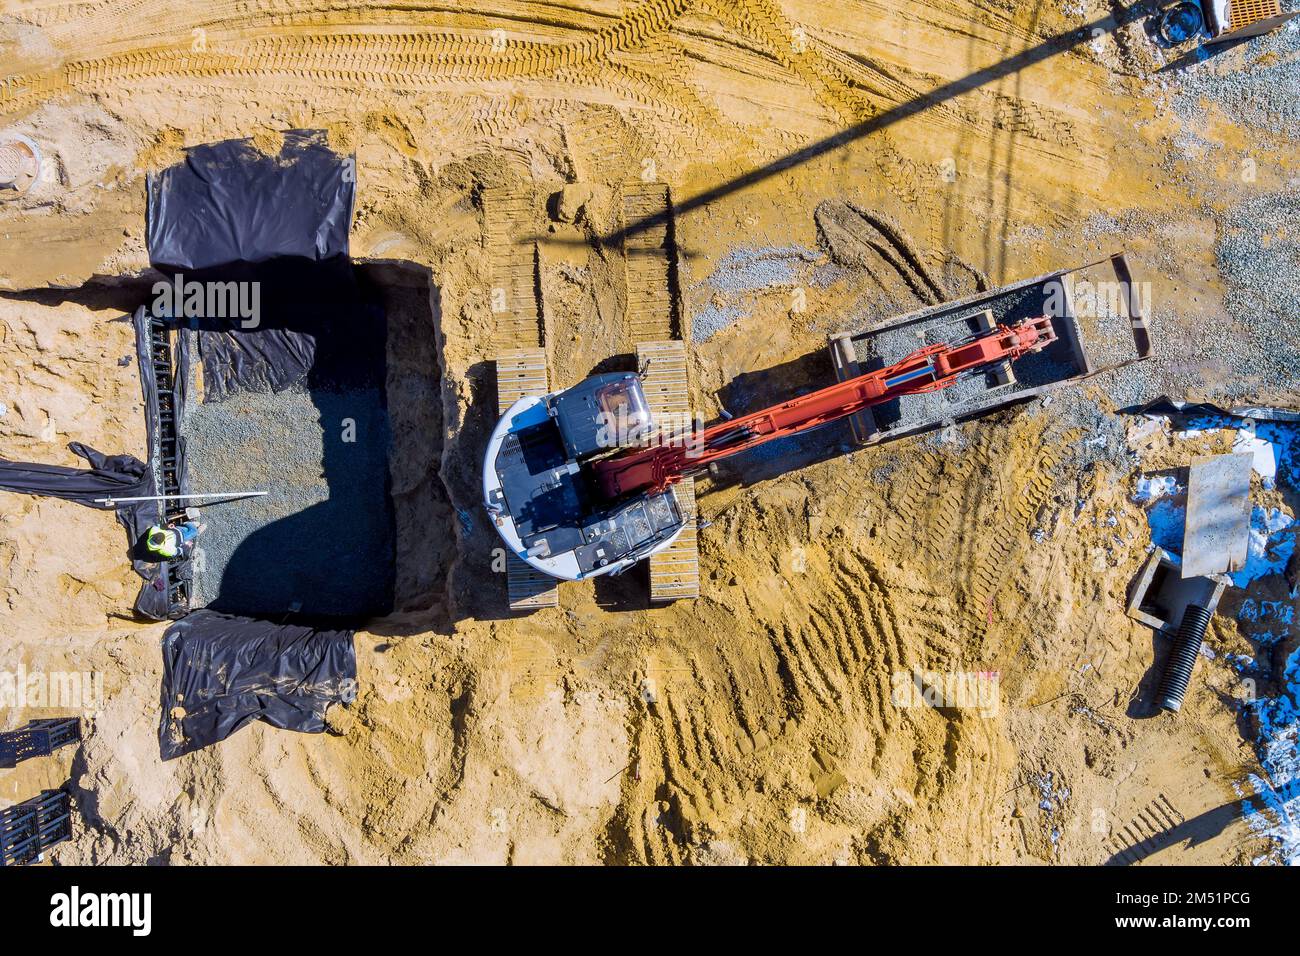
925, 370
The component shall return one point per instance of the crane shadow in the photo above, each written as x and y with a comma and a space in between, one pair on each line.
1046, 50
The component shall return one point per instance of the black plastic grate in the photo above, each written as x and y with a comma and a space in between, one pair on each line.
169, 477
39, 738
32, 827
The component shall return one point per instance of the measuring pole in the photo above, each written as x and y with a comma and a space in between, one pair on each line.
232, 495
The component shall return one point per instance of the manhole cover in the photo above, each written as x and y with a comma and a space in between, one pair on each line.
20, 165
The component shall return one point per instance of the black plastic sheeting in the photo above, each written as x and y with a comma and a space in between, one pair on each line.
230, 203
1166, 407
107, 476
230, 213
319, 329
221, 672
313, 325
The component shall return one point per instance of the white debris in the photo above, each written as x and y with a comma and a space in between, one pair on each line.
1265, 456
1154, 488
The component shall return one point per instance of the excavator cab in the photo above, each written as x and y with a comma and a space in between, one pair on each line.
537, 486
602, 413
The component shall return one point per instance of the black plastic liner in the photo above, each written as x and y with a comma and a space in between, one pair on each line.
1164, 406
230, 203
230, 213
280, 246
107, 476
221, 671
315, 325
274, 231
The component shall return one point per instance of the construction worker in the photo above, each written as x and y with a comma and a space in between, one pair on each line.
175, 540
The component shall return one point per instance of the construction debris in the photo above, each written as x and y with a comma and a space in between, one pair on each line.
1218, 515
1161, 594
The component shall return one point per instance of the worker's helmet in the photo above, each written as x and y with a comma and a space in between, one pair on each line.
161, 542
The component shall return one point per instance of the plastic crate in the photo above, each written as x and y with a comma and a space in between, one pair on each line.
1244, 13
39, 738
32, 827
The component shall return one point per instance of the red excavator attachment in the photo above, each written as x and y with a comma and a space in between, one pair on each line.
925, 370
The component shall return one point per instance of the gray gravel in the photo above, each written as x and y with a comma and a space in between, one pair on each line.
742, 276
712, 319
1255, 83
1254, 347
1259, 259
322, 538
759, 269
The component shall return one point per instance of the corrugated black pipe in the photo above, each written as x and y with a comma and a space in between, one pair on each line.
1178, 667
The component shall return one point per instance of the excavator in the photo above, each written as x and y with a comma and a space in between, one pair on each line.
578, 483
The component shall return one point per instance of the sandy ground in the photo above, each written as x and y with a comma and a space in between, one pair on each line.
759, 723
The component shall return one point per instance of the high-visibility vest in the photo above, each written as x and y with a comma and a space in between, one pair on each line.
162, 542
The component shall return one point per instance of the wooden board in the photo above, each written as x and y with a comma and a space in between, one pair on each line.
675, 571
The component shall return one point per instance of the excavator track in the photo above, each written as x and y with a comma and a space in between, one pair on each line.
648, 248
507, 221
521, 373
675, 571
519, 338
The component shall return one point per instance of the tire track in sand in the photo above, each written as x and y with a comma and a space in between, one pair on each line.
412, 59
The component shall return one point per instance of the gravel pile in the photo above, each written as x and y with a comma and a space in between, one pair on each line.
712, 319
1258, 256
742, 276
1254, 346
1254, 83
759, 269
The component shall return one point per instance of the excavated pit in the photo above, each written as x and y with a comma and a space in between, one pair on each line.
356, 515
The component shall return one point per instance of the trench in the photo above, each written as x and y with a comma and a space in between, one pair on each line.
356, 524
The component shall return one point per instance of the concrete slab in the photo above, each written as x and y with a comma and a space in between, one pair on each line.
1218, 515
